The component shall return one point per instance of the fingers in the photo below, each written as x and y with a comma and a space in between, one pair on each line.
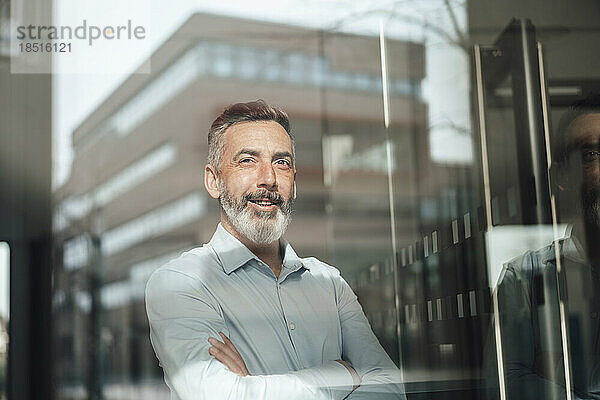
229, 344
226, 349
238, 356
226, 353
226, 359
355, 377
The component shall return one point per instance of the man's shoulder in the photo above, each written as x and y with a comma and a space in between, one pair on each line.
185, 277
532, 263
320, 268
531, 258
195, 264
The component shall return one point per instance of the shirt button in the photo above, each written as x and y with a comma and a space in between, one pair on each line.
292, 326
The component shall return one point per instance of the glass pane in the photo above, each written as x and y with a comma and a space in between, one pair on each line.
447, 166
442, 286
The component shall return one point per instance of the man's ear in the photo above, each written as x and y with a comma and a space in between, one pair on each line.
211, 181
559, 177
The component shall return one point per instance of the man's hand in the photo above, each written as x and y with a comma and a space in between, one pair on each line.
227, 354
352, 371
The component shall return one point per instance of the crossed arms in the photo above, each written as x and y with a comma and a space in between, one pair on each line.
226, 353
193, 370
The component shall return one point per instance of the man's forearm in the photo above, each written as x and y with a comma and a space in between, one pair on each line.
380, 384
213, 381
227, 354
379, 376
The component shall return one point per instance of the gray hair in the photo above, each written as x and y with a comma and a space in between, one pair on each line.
236, 113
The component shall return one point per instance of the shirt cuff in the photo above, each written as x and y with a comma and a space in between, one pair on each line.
332, 377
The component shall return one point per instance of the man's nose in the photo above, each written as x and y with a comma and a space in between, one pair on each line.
267, 177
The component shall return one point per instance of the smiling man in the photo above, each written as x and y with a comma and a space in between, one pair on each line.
243, 317
530, 308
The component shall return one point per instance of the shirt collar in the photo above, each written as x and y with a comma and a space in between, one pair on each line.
291, 261
233, 254
572, 247
569, 247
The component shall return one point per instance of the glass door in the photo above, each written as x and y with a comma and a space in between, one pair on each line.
528, 242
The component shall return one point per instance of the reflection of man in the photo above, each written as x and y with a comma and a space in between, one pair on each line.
243, 317
528, 295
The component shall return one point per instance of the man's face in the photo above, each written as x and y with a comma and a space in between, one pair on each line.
257, 180
584, 161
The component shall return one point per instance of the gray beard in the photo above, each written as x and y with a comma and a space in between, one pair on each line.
259, 227
591, 207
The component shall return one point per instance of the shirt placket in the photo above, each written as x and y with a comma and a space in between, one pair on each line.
290, 326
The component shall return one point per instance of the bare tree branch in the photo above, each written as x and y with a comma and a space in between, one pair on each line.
460, 41
459, 33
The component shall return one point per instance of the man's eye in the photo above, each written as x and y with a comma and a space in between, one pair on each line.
591, 155
245, 160
283, 163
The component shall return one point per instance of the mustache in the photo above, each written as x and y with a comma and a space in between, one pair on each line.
264, 194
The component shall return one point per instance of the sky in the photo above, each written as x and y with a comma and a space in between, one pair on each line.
81, 81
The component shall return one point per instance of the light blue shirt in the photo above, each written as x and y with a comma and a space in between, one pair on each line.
289, 330
530, 324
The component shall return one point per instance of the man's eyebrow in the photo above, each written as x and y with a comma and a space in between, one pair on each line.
583, 143
250, 152
589, 144
280, 154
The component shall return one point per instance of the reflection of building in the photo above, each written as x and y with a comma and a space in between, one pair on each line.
137, 175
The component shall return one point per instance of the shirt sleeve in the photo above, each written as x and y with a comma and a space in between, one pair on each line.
183, 315
380, 378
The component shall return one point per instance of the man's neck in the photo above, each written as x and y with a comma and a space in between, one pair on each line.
270, 254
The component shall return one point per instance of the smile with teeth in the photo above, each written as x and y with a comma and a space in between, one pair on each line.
264, 203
